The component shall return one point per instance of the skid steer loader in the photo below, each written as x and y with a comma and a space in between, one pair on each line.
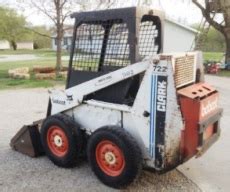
126, 105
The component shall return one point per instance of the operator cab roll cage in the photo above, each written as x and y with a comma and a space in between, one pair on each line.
107, 40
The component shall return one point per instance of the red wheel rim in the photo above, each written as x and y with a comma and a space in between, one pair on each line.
110, 158
57, 141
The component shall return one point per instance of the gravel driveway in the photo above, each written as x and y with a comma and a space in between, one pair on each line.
20, 173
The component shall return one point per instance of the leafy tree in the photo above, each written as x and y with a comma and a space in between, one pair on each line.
41, 37
215, 41
13, 27
58, 11
208, 9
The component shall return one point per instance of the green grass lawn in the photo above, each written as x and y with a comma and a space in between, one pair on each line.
224, 73
8, 83
47, 58
38, 52
213, 56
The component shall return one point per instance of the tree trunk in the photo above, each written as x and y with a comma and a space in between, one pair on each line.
59, 26
14, 45
227, 50
59, 53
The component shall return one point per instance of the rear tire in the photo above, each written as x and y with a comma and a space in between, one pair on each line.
114, 156
62, 140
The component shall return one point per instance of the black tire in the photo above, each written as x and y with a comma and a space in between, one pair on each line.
72, 153
131, 153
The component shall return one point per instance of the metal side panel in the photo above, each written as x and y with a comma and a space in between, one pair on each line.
138, 128
157, 117
174, 124
92, 117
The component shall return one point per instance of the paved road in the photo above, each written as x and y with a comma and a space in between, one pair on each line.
12, 58
19, 173
211, 172
26, 57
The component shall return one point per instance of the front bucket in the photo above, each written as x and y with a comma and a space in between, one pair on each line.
28, 141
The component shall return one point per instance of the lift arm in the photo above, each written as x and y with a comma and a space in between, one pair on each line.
72, 97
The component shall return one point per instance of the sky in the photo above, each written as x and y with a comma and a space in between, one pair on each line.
182, 10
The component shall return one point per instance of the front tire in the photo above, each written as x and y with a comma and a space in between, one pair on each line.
62, 140
114, 156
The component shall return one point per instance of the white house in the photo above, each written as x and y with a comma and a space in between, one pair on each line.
25, 45
4, 45
66, 41
176, 38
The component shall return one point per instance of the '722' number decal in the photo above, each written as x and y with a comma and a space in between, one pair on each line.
161, 69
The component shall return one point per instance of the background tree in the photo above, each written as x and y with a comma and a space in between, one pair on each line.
41, 37
13, 27
214, 42
223, 7
58, 11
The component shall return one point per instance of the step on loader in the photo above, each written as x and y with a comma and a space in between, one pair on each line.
127, 105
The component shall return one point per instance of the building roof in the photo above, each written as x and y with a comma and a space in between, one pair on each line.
182, 25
